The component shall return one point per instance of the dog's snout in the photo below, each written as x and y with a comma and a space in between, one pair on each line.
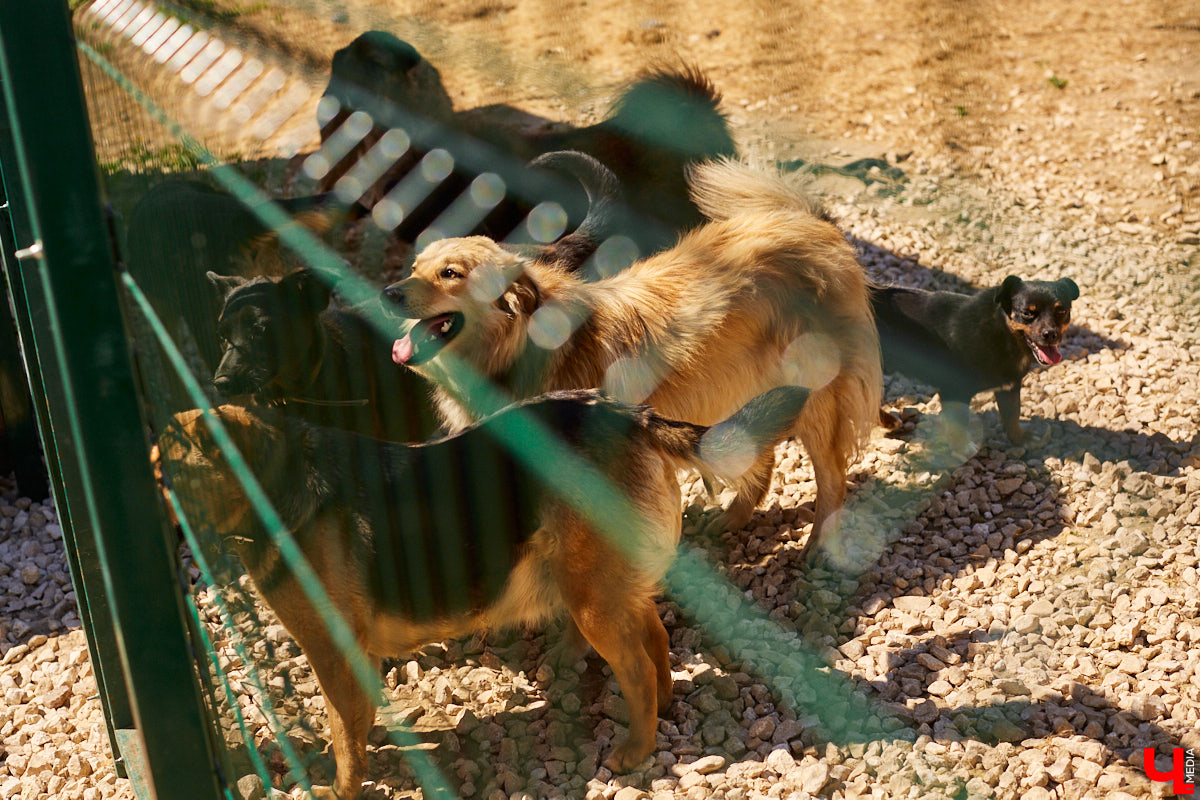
394, 294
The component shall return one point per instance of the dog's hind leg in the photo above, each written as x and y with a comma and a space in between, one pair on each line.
613, 611
619, 636
752, 489
829, 469
658, 646
569, 650
349, 706
351, 715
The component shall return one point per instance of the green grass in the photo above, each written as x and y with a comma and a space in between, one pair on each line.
221, 12
170, 158
960, 111
1057, 82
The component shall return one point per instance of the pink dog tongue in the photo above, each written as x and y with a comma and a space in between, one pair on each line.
402, 350
1049, 354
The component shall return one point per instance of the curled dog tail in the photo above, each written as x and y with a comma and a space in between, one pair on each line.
724, 187
665, 101
725, 451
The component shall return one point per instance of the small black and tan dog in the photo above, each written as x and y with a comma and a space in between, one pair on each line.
564, 502
965, 344
284, 344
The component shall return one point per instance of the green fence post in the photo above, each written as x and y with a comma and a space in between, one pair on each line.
55, 179
79, 543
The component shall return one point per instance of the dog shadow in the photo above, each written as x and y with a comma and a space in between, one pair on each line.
1021, 711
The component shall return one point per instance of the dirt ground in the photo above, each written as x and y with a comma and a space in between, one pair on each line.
1036, 135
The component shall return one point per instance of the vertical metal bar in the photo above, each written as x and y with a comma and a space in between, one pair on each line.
79, 542
71, 253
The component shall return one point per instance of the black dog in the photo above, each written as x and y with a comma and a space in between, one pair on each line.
284, 345
965, 344
181, 228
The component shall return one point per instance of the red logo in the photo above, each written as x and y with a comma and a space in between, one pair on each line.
1183, 769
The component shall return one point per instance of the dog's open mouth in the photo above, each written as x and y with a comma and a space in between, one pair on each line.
425, 339
1046, 354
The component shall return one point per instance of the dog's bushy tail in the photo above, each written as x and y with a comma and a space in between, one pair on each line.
667, 100
724, 187
801, 252
726, 451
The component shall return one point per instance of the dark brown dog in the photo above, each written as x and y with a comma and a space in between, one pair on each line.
420, 543
661, 123
285, 345
179, 230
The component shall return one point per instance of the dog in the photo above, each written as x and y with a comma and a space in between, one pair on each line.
663, 121
285, 345
419, 543
767, 293
965, 344
182, 228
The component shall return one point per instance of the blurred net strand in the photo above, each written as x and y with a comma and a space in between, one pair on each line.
287, 234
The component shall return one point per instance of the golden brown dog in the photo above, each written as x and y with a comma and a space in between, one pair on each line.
419, 543
766, 294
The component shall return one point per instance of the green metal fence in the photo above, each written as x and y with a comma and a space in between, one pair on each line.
112, 309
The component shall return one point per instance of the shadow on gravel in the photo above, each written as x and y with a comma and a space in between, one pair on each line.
1155, 452
1015, 715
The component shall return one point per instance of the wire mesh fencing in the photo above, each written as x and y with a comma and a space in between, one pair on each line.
262, 204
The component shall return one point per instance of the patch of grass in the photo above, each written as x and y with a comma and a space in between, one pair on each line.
1057, 82
960, 111
170, 158
222, 12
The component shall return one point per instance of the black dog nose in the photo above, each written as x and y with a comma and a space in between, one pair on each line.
394, 293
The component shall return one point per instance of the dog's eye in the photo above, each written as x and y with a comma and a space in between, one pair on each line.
259, 328
450, 274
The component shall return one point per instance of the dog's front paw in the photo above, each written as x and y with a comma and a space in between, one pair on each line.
1015, 433
627, 756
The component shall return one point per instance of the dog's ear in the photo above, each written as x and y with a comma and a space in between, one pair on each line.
1007, 289
521, 297
225, 283
1069, 288
311, 292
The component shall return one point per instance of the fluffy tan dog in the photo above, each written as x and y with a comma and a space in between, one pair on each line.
769, 293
